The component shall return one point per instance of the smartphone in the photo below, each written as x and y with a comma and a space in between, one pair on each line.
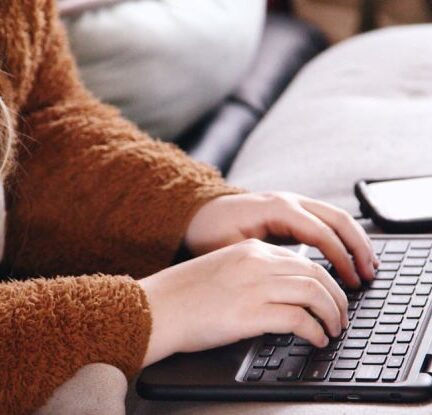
397, 205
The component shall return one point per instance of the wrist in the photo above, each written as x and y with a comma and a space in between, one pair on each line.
166, 334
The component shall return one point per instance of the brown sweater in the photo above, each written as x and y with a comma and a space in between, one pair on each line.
90, 194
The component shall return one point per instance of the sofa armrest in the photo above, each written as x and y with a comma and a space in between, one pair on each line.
287, 45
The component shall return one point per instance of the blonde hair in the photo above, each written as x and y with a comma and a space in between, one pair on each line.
6, 138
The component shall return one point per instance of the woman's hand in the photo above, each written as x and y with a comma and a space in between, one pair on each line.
230, 219
241, 291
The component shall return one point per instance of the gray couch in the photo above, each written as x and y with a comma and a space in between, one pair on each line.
361, 109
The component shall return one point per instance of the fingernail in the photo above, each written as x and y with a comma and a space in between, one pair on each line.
325, 341
357, 281
371, 271
376, 262
338, 331
345, 322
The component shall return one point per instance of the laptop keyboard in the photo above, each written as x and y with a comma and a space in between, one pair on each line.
386, 318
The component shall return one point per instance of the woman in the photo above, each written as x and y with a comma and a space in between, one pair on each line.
88, 193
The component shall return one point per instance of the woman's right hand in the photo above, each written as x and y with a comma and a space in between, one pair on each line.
241, 291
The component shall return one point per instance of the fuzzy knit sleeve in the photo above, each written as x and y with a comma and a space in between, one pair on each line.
92, 193
51, 328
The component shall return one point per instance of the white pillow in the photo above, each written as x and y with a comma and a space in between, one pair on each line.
166, 62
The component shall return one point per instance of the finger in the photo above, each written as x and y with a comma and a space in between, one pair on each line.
283, 261
350, 232
309, 229
303, 266
307, 293
279, 318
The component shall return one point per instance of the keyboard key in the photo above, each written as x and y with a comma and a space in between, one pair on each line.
396, 247
274, 363
414, 271
346, 364
428, 267
380, 284
324, 355
390, 319
399, 299
402, 290
266, 351
341, 375
414, 313
392, 257
395, 362
351, 315
292, 368
354, 295
388, 266
260, 362
334, 344
300, 351
423, 290
351, 354
415, 262
400, 350
372, 304
316, 371
315, 253
419, 301
426, 279
426, 244
404, 337
395, 309
378, 349
274, 340
389, 375
353, 305
418, 253
371, 359
368, 373
385, 275
368, 314
387, 329
355, 344
406, 281
383, 339
323, 262
409, 325
341, 336
359, 334
378, 246
301, 342
363, 324
376, 295
254, 374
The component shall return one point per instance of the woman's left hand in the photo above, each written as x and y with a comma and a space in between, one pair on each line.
230, 219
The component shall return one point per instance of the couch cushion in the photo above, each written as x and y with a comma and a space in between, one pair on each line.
360, 110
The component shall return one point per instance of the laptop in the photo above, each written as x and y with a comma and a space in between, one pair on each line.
385, 354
